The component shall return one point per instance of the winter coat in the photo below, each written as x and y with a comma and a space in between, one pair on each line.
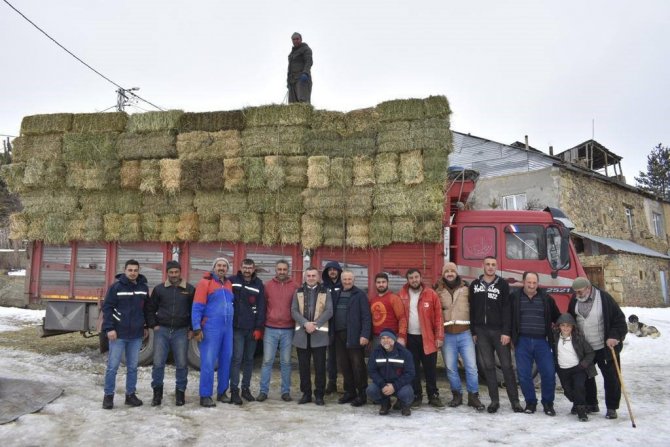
490, 305
278, 299
430, 317
583, 349
613, 317
334, 287
455, 306
323, 311
249, 302
388, 313
123, 309
551, 314
359, 319
170, 306
299, 62
395, 367
213, 302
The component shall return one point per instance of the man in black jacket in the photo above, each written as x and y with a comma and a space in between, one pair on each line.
299, 78
168, 312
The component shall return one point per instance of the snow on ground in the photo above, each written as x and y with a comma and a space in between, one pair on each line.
77, 418
13, 319
21, 272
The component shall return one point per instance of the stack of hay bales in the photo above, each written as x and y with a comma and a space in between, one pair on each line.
265, 175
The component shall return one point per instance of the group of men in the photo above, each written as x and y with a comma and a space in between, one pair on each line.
334, 325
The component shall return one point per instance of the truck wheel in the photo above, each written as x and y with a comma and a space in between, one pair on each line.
104, 342
193, 354
147, 350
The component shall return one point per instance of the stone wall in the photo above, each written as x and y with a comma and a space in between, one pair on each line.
541, 188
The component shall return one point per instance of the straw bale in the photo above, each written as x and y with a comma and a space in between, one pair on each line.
318, 171
328, 202
358, 201
251, 228
296, 171
38, 147
202, 145
401, 136
89, 146
275, 175
234, 174
153, 121
131, 174
326, 120
161, 144
211, 121
401, 110
334, 232
364, 171
435, 165
229, 228
270, 229
188, 227
429, 230
211, 174
404, 229
289, 201
208, 227
93, 175
218, 202
49, 201
420, 200
434, 131
289, 229
44, 174
152, 225
169, 224
312, 232
273, 140
19, 223
122, 227
437, 107
341, 172
151, 176
12, 176
182, 202
360, 143
386, 168
411, 167
254, 168
358, 232
83, 227
362, 120
390, 132
190, 173
261, 202
36, 227
323, 142
45, 124
55, 229
170, 173
381, 231
298, 114
103, 202
99, 122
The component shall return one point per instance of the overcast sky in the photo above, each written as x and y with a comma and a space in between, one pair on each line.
509, 68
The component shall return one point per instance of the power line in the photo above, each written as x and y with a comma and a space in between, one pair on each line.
6, 135
76, 57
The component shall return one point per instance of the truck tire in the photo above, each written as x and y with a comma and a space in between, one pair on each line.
146, 357
104, 342
193, 354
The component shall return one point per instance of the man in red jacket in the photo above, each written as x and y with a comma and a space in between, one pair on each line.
425, 334
278, 330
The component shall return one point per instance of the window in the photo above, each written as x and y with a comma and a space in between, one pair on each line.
514, 202
657, 221
478, 242
629, 217
524, 242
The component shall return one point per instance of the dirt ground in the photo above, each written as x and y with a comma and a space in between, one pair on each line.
12, 293
28, 339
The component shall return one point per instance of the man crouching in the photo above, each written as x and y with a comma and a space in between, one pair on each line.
391, 369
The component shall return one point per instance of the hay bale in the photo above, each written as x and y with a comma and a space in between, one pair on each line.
334, 232
430, 133
318, 172
211, 174
150, 171
122, 227
289, 229
401, 110
261, 202
312, 232
152, 226
36, 227
323, 142
364, 171
131, 174
40, 174
216, 202
229, 228
154, 121
201, 145
89, 146
429, 230
411, 167
89, 228
270, 229
296, 171
386, 168
435, 165
417, 201
273, 140
341, 172
251, 228
98, 202
254, 168
326, 120
328, 202
170, 174
234, 174
298, 114
275, 176
46, 124
404, 229
55, 229
208, 227
38, 147
358, 230
12, 176
358, 202
360, 143
169, 224
362, 120
211, 121
99, 122
381, 231
161, 144
188, 227
49, 201
93, 175
19, 223
437, 107
182, 202
190, 173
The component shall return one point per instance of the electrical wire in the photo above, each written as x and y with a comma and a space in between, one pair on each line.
6, 135
76, 57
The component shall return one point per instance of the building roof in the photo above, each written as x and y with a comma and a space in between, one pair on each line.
591, 150
622, 245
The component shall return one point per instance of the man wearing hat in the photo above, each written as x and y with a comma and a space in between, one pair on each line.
299, 78
212, 320
603, 324
391, 369
168, 312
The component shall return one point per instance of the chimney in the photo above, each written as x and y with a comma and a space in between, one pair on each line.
551, 150
526, 136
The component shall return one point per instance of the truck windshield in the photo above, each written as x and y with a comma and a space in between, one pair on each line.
525, 242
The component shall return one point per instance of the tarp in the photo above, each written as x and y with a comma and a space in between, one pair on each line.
19, 397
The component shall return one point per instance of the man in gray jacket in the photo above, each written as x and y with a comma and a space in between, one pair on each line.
299, 79
311, 309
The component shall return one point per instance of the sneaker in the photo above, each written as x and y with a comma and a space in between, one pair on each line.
611, 414
133, 401
549, 409
261, 397
246, 394
346, 398
286, 397
207, 402
108, 402
530, 408
406, 411
385, 407
179, 397
416, 403
516, 407
306, 398
223, 398
235, 397
493, 407
435, 401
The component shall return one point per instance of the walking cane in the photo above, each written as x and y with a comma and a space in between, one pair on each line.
623, 387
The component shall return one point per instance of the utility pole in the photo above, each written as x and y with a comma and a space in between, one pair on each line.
125, 97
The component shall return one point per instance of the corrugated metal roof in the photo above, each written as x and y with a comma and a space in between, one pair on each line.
622, 245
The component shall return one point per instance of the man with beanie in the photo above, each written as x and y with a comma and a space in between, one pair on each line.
248, 323
330, 278
299, 78
603, 324
391, 370
212, 321
453, 293
168, 312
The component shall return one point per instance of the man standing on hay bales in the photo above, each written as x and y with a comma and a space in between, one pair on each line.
299, 80
212, 320
331, 281
248, 323
124, 323
311, 309
425, 334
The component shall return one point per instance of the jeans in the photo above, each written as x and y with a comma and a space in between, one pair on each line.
165, 340
488, 345
244, 347
131, 347
610, 379
462, 344
429, 363
272, 339
526, 350
217, 345
404, 394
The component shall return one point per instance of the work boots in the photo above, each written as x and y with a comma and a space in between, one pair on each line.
361, 399
235, 397
474, 402
158, 396
179, 397
457, 399
247, 395
581, 413
108, 402
385, 407
133, 401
